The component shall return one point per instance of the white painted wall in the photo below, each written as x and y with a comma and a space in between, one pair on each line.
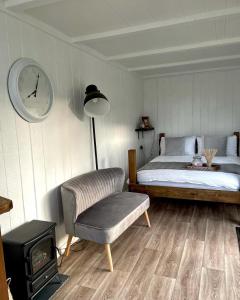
198, 103
36, 158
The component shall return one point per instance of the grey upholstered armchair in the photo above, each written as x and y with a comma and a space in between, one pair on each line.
96, 209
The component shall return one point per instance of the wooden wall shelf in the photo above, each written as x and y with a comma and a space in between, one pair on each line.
142, 130
5, 206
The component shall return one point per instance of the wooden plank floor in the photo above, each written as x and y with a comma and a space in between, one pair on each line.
191, 252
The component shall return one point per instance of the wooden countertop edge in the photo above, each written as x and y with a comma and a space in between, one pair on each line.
5, 205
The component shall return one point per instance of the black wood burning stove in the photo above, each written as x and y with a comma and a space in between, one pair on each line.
30, 258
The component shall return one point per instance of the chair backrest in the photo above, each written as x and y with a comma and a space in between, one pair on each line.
89, 188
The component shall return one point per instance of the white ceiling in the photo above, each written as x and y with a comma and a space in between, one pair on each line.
147, 36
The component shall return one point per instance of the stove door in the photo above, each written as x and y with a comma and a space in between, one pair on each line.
41, 255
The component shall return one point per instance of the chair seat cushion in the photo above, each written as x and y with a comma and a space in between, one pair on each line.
107, 219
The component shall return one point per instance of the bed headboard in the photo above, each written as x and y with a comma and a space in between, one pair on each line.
237, 133
162, 134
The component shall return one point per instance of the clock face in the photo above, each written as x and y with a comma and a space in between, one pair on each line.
30, 90
34, 90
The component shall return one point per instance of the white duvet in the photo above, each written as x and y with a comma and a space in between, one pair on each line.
190, 178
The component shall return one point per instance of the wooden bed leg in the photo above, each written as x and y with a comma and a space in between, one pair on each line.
132, 166
67, 250
147, 219
109, 255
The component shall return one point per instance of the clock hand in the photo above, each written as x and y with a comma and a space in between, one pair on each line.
36, 88
33, 93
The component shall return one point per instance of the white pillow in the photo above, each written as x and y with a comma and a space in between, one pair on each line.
189, 145
231, 145
200, 146
163, 146
190, 142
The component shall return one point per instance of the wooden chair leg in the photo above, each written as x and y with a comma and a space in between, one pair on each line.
109, 255
147, 218
67, 250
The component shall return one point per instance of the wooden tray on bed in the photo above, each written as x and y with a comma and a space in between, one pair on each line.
204, 167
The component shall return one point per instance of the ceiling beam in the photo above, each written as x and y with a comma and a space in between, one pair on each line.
185, 63
164, 74
207, 44
55, 33
21, 5
155, 25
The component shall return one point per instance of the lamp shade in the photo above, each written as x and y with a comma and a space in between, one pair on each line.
95, 103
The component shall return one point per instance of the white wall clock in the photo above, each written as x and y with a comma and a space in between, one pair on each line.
30, 90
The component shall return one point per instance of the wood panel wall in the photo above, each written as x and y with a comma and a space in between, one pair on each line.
198, 103
36, 158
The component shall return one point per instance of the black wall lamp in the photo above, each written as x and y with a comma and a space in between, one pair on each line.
95, 105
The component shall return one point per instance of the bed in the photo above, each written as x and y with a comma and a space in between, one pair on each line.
161, 178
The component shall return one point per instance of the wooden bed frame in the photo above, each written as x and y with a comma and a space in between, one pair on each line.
176, 192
